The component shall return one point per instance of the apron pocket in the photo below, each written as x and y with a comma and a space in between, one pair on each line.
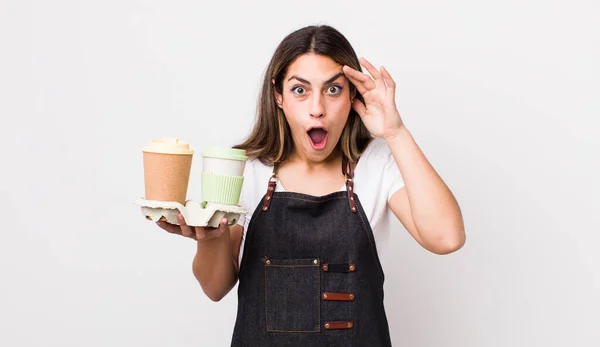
292, 295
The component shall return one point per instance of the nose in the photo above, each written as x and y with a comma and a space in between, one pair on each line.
317, 109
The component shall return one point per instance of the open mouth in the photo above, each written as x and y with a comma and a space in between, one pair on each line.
317, 137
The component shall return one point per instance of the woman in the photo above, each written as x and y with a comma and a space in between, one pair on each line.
306, 256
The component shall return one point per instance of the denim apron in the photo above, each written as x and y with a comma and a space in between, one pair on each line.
310, 274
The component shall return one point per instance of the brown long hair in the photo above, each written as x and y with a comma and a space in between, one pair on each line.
271, 139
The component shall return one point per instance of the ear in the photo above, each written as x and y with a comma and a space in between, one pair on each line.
278, 97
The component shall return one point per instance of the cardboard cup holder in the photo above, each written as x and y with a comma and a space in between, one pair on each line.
205, 214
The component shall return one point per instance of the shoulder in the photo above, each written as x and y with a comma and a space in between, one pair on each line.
255, 168
372, 162
377, 152
256, 178
378, 167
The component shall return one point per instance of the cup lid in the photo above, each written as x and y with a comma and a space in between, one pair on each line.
225, 153
168, 145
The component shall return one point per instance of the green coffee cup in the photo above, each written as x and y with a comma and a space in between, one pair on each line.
223, 175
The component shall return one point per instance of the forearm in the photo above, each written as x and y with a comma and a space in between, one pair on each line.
435, 212
214, 267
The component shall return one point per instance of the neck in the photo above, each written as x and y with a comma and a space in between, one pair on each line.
300, 158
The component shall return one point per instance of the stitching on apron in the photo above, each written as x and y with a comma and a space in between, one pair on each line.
373, 249
266, 310
301, 199
319, 305
319, 294
296, 331
292, 265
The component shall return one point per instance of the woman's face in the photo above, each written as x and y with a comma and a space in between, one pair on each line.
316, 102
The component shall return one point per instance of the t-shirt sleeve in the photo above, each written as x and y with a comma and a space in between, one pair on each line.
392, 179
244, 220
245, 197
243, 203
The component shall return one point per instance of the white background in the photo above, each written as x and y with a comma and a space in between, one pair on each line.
502, 96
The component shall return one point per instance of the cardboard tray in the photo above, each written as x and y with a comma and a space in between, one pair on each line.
195, 213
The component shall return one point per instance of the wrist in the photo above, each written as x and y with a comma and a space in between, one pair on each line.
214, 238
394, 135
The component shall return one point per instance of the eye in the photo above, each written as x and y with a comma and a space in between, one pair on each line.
335, 89
298, 90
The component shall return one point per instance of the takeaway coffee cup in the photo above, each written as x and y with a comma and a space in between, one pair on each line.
223, 175
167, 166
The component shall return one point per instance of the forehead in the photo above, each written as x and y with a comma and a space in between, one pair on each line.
313, 67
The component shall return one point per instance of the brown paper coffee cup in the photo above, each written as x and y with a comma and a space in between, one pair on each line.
167, 167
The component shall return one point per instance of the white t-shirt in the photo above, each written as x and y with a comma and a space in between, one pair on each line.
376, 179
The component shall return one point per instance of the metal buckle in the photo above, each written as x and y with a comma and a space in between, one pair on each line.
273, 178
348, 179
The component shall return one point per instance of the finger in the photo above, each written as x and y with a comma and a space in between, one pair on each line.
223, 226
360, 108
207, 233
171, 228
358, 84
357, 75
224, 223
360, 80
200, 233
186, 230
389, 81
373, 71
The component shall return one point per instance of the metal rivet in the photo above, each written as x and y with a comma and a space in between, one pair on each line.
353, 209
268, 262
268, 198
352, 267
264, 208
325, 267
351, 198
349, 325
270, 188
350, 187
351, 296
315, 261
324, 296
326, 325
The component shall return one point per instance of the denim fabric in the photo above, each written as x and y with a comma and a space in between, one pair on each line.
281, 279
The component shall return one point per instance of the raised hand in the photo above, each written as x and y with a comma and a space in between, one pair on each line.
379, 112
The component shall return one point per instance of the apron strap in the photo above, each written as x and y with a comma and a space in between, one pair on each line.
270, 189
348, 174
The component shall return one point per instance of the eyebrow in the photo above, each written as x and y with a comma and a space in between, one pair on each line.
307, 82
